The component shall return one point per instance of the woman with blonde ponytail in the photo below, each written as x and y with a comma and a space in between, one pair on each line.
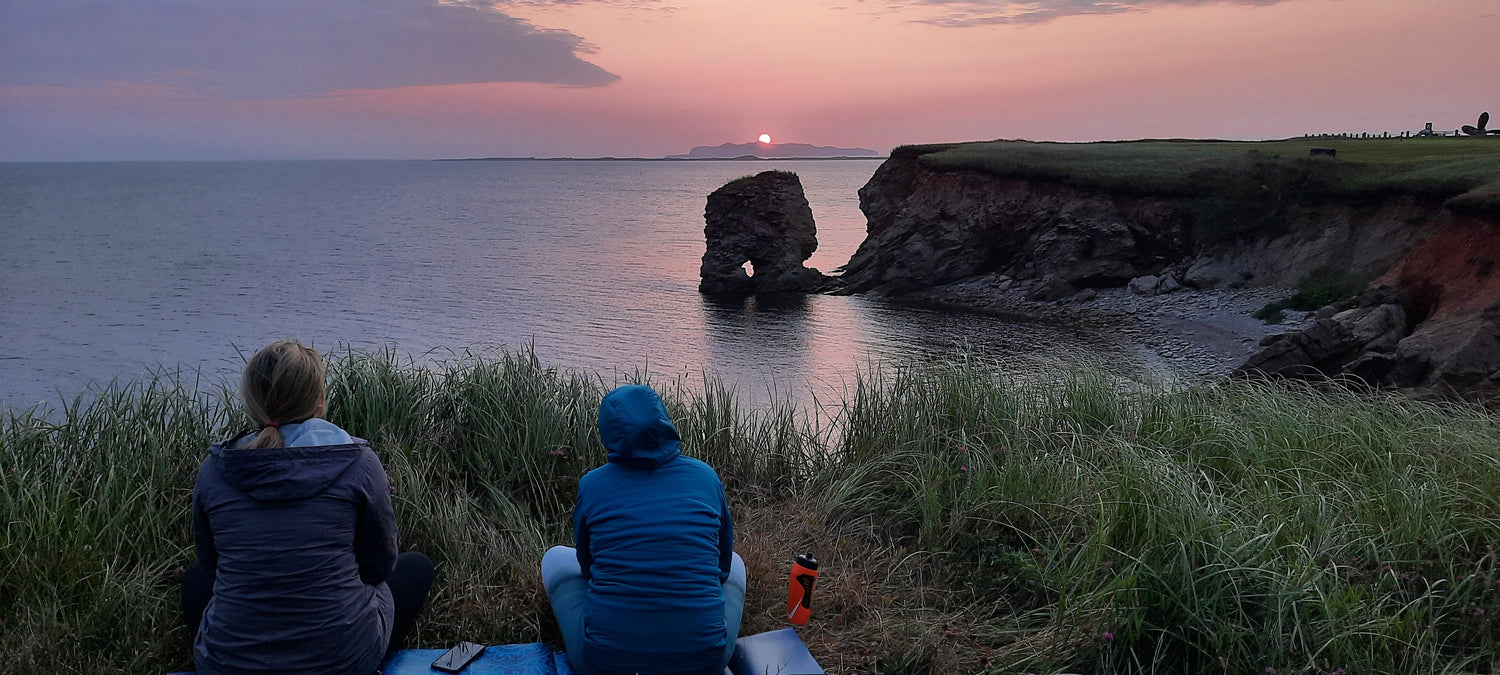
297, 569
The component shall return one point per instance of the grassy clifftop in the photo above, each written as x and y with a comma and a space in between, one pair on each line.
1463, 172
966, 522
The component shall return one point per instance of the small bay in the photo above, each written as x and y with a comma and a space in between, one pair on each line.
111, 269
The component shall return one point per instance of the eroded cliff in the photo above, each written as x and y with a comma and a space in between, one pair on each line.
930, 226
1252, 221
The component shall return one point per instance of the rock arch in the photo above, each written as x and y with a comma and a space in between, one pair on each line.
764, 220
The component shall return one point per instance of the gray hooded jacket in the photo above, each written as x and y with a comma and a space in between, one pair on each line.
299, 541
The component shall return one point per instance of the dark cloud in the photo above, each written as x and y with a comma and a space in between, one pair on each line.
282, 48
967, 13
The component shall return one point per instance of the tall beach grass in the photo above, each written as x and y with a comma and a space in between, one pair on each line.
966, 522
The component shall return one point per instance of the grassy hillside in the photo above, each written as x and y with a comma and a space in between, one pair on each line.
966, 523
1464, 173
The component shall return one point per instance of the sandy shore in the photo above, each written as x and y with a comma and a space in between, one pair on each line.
1187, 334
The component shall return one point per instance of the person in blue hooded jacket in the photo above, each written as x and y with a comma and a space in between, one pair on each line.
653, 586
297, 569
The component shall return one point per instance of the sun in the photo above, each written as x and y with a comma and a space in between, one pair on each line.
765, 138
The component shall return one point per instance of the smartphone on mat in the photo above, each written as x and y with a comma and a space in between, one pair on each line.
458, 658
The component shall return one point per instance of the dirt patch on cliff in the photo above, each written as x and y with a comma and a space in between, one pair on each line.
1455, 272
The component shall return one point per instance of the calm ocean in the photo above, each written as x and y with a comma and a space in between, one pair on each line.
110, 269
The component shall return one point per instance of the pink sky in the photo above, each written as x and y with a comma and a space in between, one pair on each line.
871, 74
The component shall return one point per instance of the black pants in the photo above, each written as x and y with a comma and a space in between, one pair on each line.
409, 582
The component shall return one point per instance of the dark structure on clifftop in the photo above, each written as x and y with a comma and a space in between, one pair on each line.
1481, 130
764, 220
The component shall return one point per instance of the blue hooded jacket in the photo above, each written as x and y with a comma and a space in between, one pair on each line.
655, 540
298, 541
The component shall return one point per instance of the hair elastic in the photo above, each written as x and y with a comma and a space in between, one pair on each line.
273, 425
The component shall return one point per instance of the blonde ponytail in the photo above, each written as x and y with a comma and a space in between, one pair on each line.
283, 384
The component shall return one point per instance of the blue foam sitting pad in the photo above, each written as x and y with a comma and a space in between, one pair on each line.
530, 659
779, 652
526, 659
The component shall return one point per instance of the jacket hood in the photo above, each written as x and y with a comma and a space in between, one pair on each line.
634, 428
284, 474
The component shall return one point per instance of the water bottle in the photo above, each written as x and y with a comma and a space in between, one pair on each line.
799, 592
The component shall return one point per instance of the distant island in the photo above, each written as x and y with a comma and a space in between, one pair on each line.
771, 150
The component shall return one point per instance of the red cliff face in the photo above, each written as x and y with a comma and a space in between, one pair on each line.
1453, 284
1453, 273
1430, 324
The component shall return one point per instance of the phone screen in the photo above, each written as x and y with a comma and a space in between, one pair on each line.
457, 658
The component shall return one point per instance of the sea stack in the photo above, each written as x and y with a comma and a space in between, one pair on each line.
764, 220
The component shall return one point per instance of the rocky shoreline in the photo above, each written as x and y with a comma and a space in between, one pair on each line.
1188, 334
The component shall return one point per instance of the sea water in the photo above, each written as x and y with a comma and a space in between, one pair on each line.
108, 270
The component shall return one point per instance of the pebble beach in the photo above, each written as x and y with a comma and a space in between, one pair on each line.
1187, 334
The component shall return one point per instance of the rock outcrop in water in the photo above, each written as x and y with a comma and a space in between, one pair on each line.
764, 220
